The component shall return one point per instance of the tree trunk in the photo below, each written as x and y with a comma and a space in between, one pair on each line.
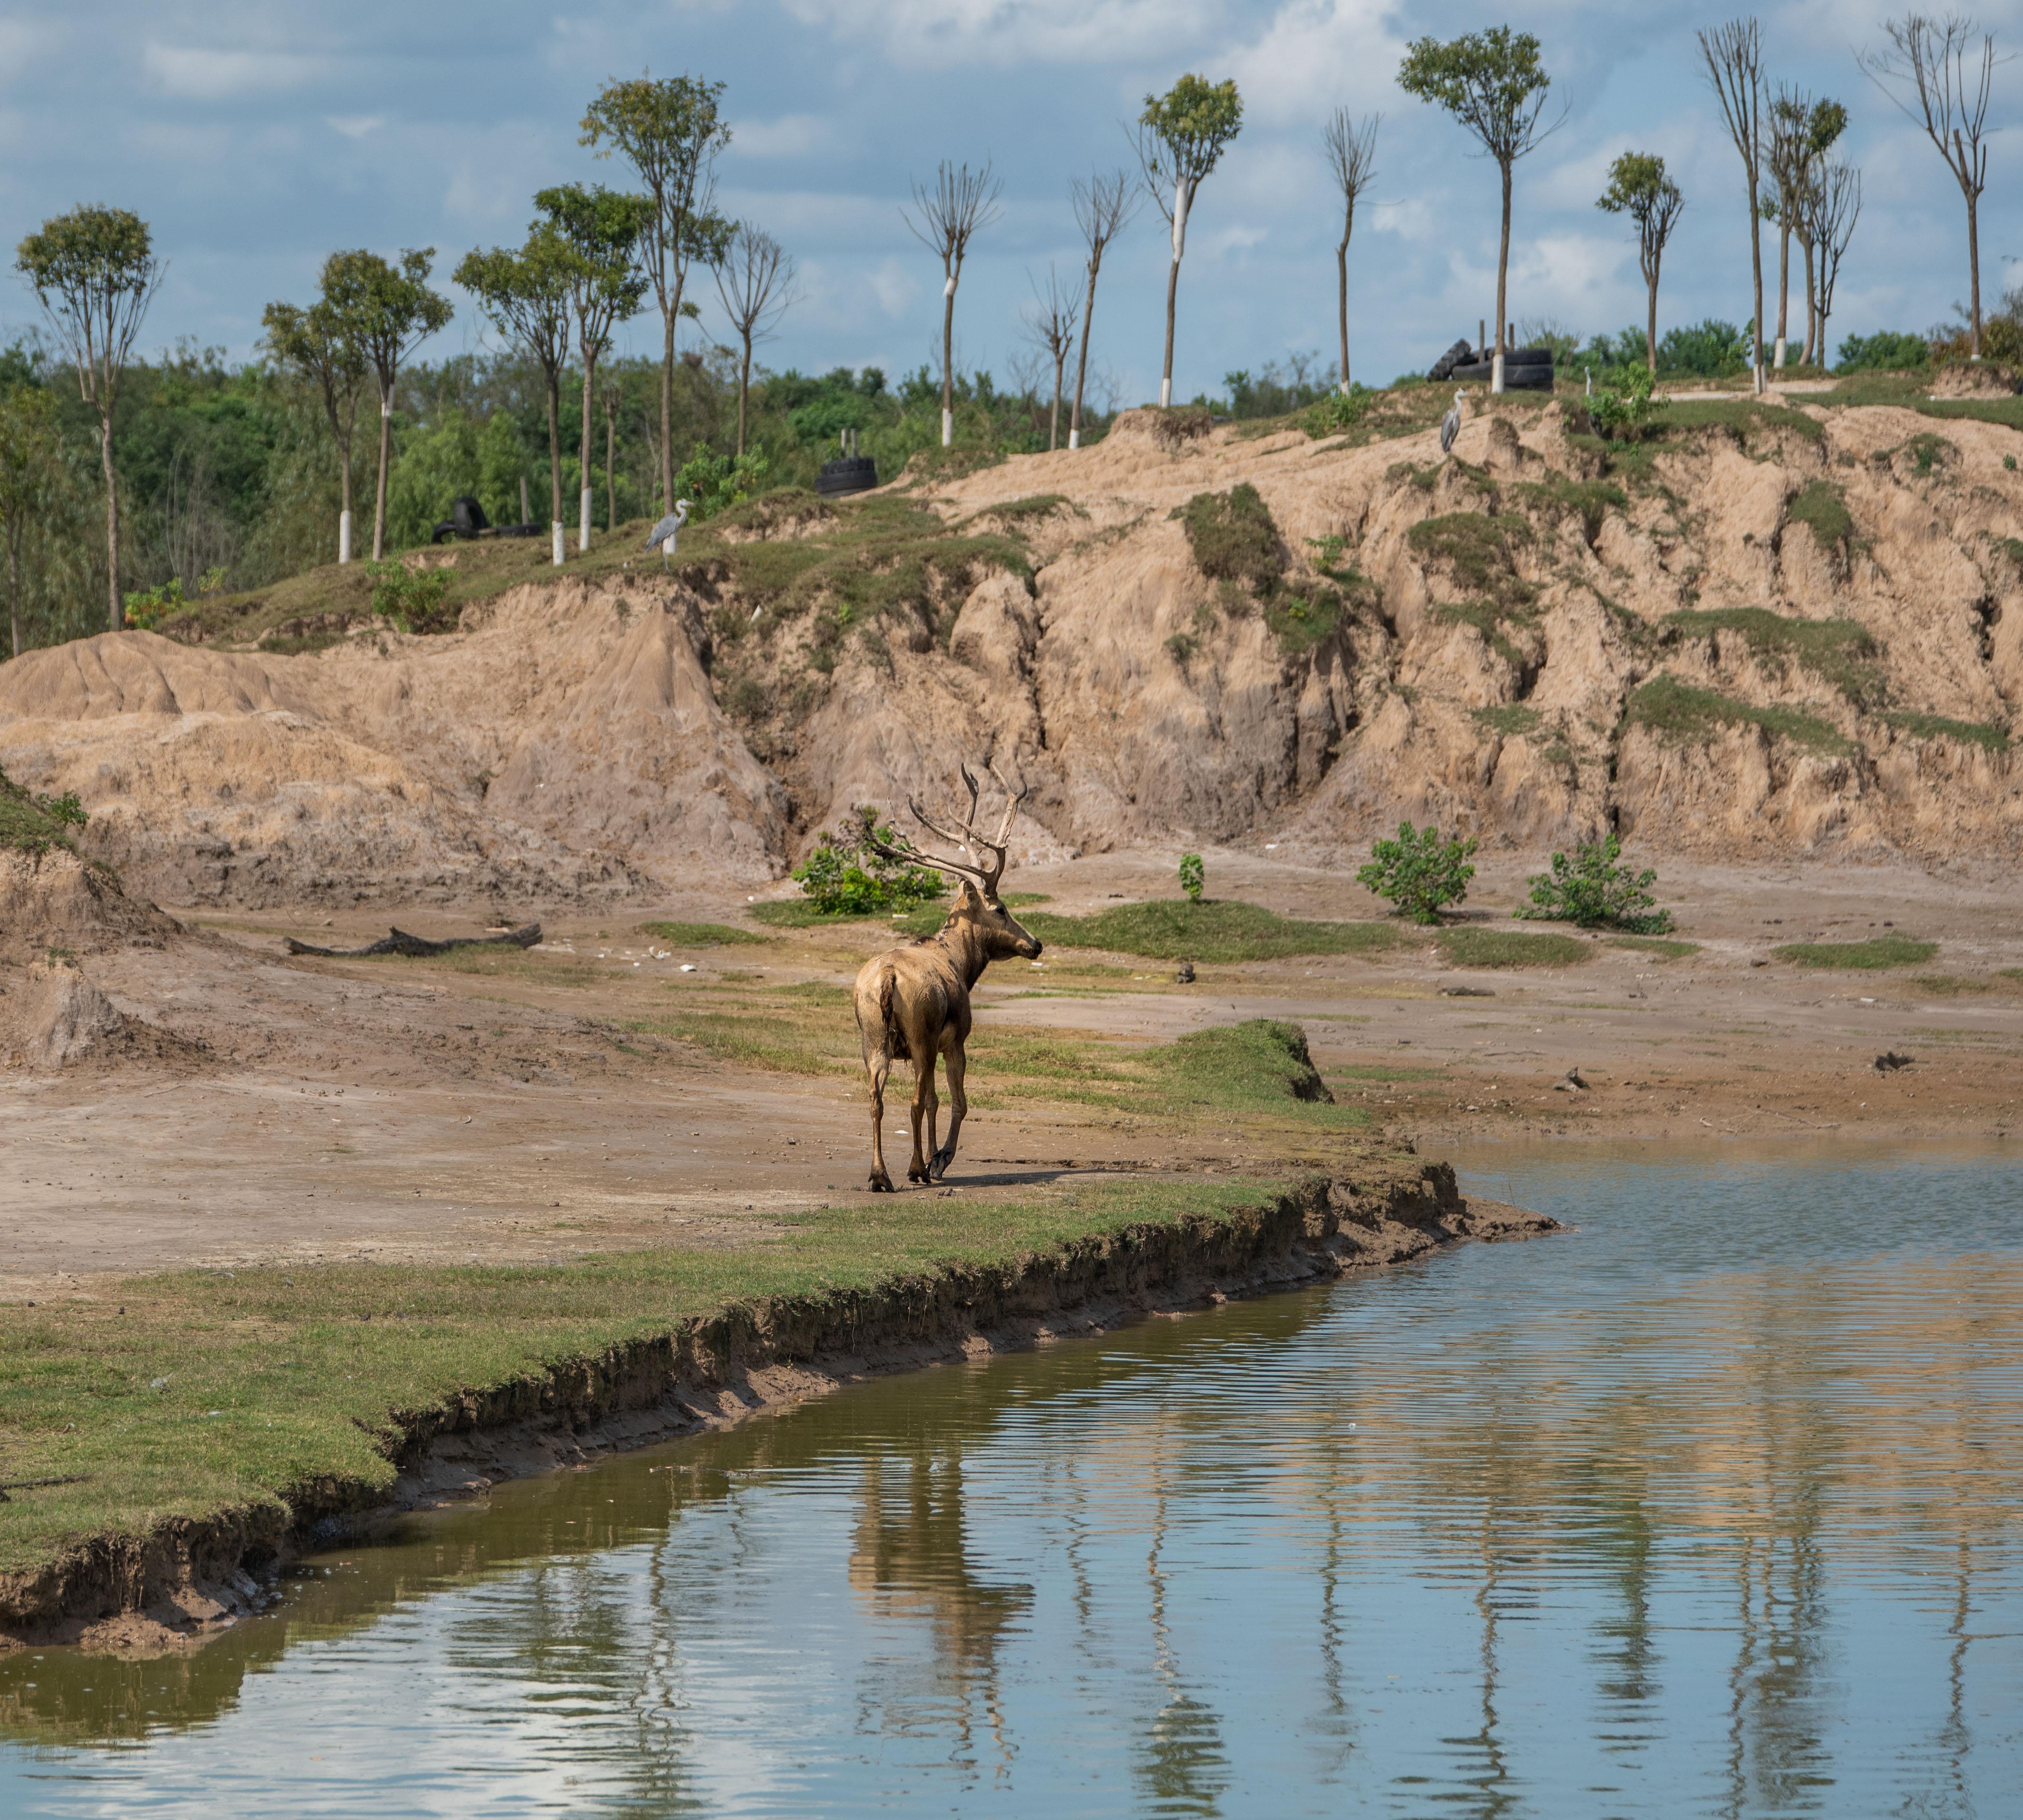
1503, 282
1081, 362
1756, 281
1813, 350
668, 317
1054, 422
1651, 326
948, 358
1784, 284
118, 614
610, 468
1341, 288
14, 588
584, 484
744, 391
1974, 267
1166, 372
385, 462
555, 448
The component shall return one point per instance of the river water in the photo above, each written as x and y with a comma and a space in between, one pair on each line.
1712, 1507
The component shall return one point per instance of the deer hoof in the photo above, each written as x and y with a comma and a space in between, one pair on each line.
882, 1184
918, 1175
939, 1167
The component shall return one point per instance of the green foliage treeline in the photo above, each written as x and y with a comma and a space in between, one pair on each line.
232, 468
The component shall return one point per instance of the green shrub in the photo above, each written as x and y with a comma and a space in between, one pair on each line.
1626, 405
1594, 892
1192, 876
145, 607
1885, 351
716, 483
847, 876
1418, 872
1337, 411
412, 598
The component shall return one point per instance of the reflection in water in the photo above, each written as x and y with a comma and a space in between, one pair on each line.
1713, 1508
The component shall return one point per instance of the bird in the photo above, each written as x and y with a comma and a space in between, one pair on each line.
664, 533
1451, 426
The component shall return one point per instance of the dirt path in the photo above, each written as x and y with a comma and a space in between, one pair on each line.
524, 1107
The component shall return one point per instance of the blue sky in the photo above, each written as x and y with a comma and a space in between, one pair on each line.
256, 138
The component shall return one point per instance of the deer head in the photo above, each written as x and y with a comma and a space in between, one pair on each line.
977, 903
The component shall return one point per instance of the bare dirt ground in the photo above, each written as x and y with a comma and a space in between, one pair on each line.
507, 1107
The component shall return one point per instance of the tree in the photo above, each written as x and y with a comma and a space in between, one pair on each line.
1934, 72
94, 272
1814, 125
1639, 187
391, 310
670, 132
1103, 207
1785, 157
959, 206
754, 281
1592, 891
1418, 872
1352, 154
526, 297
1832, 205
602, 229
1182, 136
30, 455
1050, 319
1493, 84
1733, 54
317, 346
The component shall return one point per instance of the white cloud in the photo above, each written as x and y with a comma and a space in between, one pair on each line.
1317, 55
894, 287
356, 126
941, 33
192, 74
791, 136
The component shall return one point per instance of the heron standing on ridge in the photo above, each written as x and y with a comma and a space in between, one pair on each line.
664, 533
1450, 426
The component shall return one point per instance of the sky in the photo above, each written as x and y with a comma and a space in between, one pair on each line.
256, 138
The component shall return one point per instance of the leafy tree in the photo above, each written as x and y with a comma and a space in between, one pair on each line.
1639, 187
390, 311
602, 229
31, 458
670, 132
1733, 54
1182, 136
1884, 351
846, 876
754, 282
526, 296
94, 272
1194, 877
1419, 872
1493, 84
1103, 207
453, 453
959, 206
1351, 157
317, 345
1592, 891
1812, 127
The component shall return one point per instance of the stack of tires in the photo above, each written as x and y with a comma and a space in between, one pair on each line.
847, 474
1524, 370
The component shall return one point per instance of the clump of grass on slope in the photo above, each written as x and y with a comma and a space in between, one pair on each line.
1173, 929
1480, 551
1839, 652
1822, 507
1879, 952
1666, 705
1507, 948
1931, 726
33, 825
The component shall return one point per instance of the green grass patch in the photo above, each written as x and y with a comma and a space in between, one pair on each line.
1839, 652
1478, 549
1559, 495
1822, 508
1878, 952
1509, 719
287, 1388
1945, 985
1172, 929
701, 934
1509, 948
1661, 947
1743, 416
33, 825
1931, 726
1487, 618
1666, 705
1031, 509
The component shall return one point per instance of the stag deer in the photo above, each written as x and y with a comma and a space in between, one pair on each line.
912, 1002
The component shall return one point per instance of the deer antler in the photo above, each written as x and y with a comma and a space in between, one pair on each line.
968, 841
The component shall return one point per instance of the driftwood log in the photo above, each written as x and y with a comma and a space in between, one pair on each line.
415, 947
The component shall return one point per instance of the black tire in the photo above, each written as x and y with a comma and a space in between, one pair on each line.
848, 474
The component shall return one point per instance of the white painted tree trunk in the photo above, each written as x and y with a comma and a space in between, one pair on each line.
582, 520
1074, 439
1496, 372
1777, 359
947, 428
344, 537
561, 542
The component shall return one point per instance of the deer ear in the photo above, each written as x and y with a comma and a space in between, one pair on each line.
969, 893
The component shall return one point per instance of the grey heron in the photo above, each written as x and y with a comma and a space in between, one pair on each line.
1450, 426
664, 533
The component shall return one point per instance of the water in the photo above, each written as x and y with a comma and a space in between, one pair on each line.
1712, 1508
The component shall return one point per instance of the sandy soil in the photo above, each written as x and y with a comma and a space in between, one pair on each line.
318, 1109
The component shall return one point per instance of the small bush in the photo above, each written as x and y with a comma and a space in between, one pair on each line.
412, 598
1337, 412
1879, 951
1885, 351
1622, 409
146, 607
1592, 891
1418, 872
847, 876
1192, 876
716, 483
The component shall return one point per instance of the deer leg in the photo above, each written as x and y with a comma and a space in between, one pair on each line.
923, 1118
958, 1109
879, 1066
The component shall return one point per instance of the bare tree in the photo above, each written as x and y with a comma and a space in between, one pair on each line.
1352, 153
960, 204
1833, 204
755, 278
1103, 207
1734, 56
1050, 319
1933, 71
